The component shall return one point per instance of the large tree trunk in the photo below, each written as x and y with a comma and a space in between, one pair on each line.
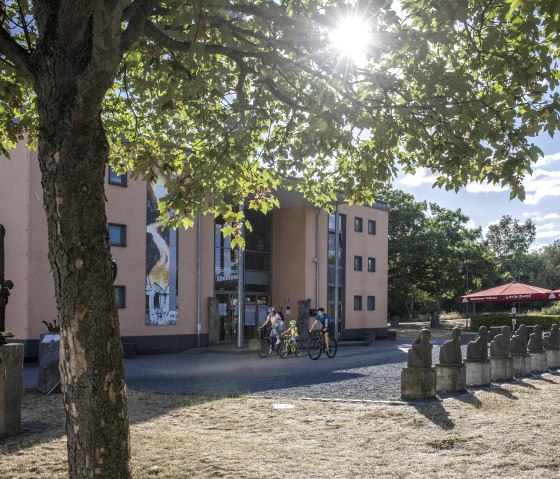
78, 59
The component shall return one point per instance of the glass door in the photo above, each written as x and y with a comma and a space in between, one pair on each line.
256, 310
227, 312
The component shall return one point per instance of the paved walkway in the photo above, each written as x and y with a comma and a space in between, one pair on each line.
360, 373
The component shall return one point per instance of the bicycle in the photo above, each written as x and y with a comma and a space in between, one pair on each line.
266, 345
289, 346
316, 346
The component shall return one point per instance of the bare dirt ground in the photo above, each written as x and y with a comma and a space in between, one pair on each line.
507, 431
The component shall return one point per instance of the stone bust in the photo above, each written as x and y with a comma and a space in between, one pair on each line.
499, 346
518, 344
551, 339
450, 351
478, 349
536, 344
420, 354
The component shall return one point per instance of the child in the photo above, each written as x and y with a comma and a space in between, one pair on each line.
292, 331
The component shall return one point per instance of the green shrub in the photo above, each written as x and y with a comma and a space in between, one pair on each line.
504, 319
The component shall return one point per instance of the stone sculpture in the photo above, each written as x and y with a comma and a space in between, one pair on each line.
499, 346
450, 352
518, 344
478, 349
536, 344
551, 340
420, 354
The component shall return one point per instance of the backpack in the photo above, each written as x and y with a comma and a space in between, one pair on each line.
280, 323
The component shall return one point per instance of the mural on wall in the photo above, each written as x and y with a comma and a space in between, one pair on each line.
161, 263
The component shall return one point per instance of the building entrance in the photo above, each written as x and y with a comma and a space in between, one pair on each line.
256, 309
228, 313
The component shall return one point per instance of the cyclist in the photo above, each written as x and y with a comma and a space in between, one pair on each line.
323, 319
292, 331
274, 320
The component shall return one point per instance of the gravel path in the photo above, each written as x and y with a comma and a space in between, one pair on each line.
356, 373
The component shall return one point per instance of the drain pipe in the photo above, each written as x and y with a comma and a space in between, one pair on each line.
198, 279
317, 244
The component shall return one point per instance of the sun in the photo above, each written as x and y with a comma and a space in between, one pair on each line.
351, 38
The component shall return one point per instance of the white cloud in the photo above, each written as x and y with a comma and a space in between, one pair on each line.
484, 188
546, 227
547, 160
471, 224
421, 177
541, 184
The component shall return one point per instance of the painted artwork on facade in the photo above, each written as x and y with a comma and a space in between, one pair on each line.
161, 263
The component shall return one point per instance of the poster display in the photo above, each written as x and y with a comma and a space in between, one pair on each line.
161, 262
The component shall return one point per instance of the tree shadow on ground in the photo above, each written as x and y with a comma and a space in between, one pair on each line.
435, 412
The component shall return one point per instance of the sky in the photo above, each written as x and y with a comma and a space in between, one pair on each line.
486, 204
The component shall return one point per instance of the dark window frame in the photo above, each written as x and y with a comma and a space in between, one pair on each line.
358, 224
372, 227
123, 234
371, 265
120, 304
358, 263
358, 302
115, 179
371, 303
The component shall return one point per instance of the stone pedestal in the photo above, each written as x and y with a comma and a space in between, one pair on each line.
450, 379
48, 374
539, 363
11, 388
552, 358
521, 364
501, 369
477, 372
418, 383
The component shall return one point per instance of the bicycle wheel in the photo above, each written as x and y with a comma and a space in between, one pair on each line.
314, 348
331, 352
283, 351
264, 347
299, 349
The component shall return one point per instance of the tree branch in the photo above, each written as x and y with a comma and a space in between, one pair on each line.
15, 53
136, 14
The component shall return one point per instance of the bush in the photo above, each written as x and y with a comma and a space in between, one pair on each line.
504, 319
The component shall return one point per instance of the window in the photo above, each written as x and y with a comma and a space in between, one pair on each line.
117, 235
357, 303
371, 303
120, 296
371, 265
116, 179
371, 227
358, 224
357, 263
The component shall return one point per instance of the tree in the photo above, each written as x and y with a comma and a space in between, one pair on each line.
256, 92
430, 249
510, 240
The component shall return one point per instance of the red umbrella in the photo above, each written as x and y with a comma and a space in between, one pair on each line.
511, 292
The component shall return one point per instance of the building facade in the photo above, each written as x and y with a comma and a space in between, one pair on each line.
179, 289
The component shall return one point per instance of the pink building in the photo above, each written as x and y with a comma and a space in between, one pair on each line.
180, 289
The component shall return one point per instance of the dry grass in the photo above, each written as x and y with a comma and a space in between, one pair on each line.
507, 431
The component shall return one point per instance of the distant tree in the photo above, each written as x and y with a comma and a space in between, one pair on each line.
542, 267
510, 241
430, 250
